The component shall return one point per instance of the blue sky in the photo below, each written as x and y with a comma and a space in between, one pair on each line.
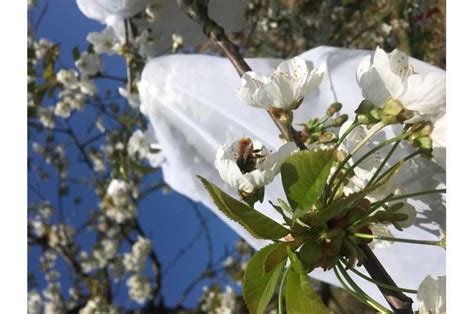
168, 219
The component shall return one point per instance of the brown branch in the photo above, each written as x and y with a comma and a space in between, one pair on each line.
197, 11
398, 301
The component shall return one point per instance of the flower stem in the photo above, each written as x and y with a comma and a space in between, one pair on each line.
358, 291
280, 292
392, 239
397, 164
347, 132
375, 129
427, 192
381, 284
361, 159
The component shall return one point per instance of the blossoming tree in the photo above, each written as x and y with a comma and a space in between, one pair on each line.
338, 199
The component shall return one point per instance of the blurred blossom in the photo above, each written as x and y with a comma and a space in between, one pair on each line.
68, 78
132, 98
105, 42
139, 288
432, 295
89, 64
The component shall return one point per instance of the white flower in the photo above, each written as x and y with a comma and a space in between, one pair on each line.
178, 41
46, 116
88, 87
438, 137
63, 109
138, 144
143, 145
139, 288
132, 98
153, 8
41, 47
147, 46
390, 75
89, 64
121, 207
105, 42
34, 302
285, 88
135, 260
68, 78
432, 295
247, 165
119, 192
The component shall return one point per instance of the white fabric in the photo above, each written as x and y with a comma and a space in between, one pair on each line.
192, 106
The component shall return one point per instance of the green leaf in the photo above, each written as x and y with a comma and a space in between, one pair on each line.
300, 295
279, 253
259, 285
304, 176
259, 225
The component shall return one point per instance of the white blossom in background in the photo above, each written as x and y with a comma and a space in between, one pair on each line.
88, 87
63, 109
390, 76
87, 262
89, 64
178, 42
144, 146
285, 88
120, 208
46, 116
41, 47
31, 4
148, 47
215, 301
35, 302
39, 227
69, 78
118, 191
105, 42
153, 8
139, 288
247, 165
135, 260
105, 251
53, 299
48, 260
97, 306
432, 295
60, 235
438, 138
132, 98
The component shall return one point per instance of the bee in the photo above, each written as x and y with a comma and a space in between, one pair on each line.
248, 156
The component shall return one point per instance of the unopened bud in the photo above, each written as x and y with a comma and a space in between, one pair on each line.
341, 119
333, 108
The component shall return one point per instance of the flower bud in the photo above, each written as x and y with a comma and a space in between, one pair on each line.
333, 108
339, 121
367, 113
393, 112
